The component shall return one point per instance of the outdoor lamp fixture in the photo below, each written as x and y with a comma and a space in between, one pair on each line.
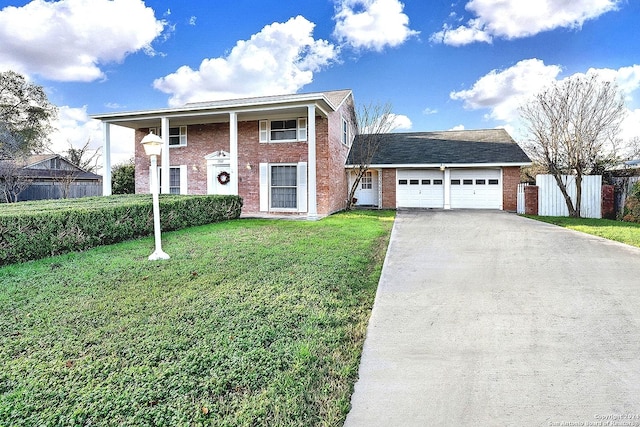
153, 147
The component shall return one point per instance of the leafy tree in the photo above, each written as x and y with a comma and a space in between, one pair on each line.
25, 116
123, 178
574, 126
371, 122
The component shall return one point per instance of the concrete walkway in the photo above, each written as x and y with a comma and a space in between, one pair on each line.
489, 319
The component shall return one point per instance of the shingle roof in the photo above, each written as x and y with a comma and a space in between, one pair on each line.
494, 146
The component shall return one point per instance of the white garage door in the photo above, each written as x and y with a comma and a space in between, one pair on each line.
420, 189
476, 189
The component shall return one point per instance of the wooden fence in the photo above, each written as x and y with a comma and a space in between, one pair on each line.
44, 191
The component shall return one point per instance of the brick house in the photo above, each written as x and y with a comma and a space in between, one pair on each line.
282, 154
289, 154
473, 169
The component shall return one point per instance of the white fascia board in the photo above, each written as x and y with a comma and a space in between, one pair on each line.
438, 165
249, 105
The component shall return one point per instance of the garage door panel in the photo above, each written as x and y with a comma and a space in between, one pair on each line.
420, 189
476, 189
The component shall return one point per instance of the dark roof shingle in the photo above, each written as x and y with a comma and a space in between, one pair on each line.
493, 146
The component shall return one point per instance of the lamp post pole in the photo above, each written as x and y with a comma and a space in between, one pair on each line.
153, 147
158, 253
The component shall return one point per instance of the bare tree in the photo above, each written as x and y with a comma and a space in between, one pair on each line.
371, 121
574, 126
13, 179
84, 157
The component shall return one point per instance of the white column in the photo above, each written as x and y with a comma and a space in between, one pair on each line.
106, 159
312, 205
166, 162
447, 188
233, 151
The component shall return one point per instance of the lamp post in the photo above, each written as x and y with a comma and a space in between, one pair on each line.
153, 147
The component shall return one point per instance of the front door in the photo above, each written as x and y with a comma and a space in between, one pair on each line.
220, 177
367, 193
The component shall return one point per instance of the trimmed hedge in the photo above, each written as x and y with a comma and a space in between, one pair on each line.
33, 230
631, 211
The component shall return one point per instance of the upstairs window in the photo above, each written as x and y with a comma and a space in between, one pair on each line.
345, 132
177, 135
290, 130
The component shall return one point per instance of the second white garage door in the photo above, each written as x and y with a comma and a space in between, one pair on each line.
476, 189
469, 188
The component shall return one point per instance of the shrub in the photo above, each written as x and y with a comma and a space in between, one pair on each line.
632, 205
33, 230
123, 178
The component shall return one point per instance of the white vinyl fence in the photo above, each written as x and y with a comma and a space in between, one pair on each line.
551, 201
520, 201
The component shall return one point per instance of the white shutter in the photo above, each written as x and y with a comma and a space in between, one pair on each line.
302, 187
183, 179
264, 187
302, 129
264, 131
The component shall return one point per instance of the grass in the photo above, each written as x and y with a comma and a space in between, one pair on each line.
624, 232
251, 322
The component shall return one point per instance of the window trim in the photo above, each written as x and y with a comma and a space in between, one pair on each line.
182, 135
183, 178
345, 132
301, 187
271, 187
264, 130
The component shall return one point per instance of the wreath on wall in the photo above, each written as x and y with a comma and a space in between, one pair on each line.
224, 178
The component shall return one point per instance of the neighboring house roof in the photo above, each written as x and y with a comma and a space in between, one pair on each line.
39, 166
466, 147
326, 101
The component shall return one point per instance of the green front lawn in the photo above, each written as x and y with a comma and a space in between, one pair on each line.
251, 322
625, 232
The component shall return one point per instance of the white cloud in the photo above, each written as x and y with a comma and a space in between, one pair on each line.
458, 127
372, 24
75, 127
279, 59
511, 19
503, 91
630, 127
428, 111
68, 40
399, 122
192, 20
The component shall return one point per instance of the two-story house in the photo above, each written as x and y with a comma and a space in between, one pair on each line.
282, 154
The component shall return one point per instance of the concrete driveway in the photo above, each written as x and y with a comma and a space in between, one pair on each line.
484, 318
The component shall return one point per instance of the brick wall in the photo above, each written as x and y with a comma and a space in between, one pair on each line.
608, 202
531, 200
388, 188
203, 139
333, 186
510, 181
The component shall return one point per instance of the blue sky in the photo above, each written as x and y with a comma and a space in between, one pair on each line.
442, 65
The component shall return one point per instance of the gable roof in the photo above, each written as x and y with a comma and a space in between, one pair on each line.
466, 147
33, 166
